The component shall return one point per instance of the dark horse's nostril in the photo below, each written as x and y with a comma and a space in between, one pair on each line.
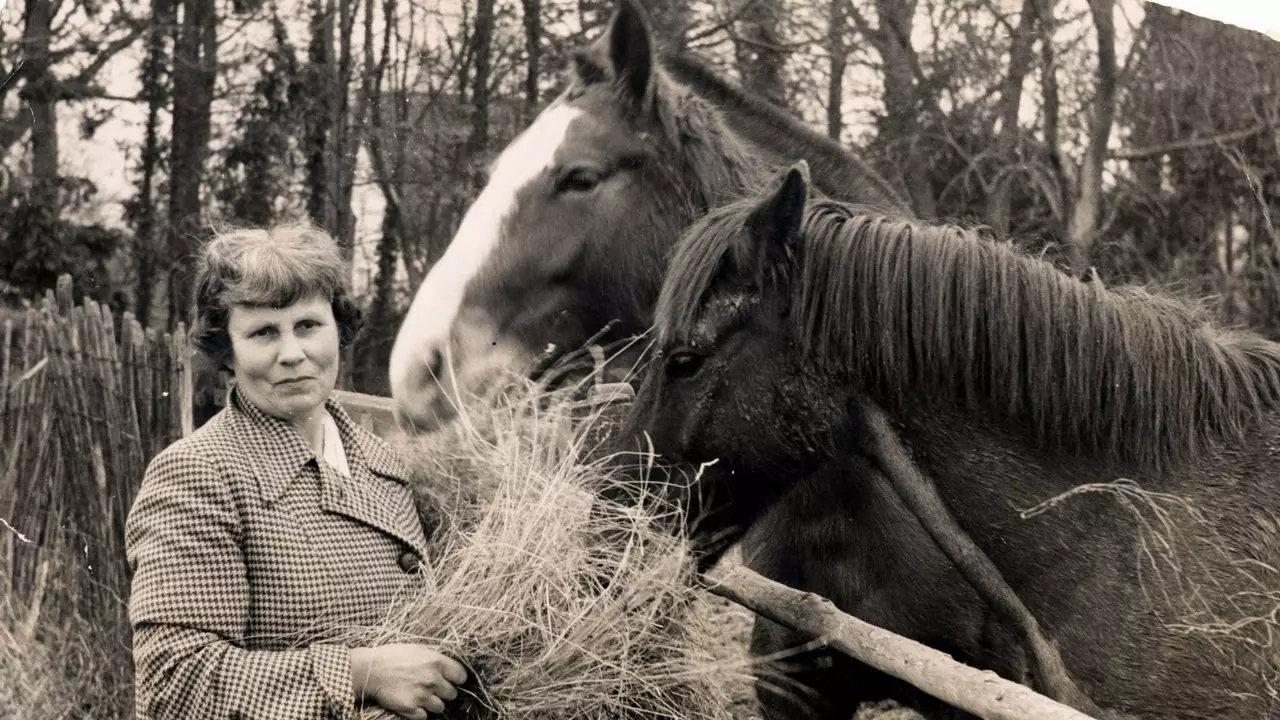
436, 365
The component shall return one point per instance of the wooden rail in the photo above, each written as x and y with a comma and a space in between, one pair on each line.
373, 412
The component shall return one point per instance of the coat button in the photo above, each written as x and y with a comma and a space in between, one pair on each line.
409, 562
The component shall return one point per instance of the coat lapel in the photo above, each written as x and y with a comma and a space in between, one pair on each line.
376, 494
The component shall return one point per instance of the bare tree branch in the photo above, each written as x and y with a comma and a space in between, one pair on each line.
1192, 143
12, 129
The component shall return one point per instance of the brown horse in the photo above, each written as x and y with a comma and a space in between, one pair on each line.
1112, 451
572, 231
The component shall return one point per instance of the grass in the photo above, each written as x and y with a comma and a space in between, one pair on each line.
76, 668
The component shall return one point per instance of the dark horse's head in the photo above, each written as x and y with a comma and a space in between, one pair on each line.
728, 392
572, 231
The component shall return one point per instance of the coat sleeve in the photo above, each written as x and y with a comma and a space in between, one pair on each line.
189, 607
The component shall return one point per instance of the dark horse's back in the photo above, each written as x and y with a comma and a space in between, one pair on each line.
1158, 586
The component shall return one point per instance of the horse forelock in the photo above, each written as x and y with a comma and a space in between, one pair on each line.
694, 270
692, 134
916, 311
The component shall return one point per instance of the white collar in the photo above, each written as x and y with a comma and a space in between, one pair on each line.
333, 454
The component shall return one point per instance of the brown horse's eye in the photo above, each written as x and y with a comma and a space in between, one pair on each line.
579, 180
684, 363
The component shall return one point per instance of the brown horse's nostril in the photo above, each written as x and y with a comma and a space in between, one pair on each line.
437, 364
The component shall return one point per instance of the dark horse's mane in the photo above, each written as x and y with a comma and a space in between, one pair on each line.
916, 312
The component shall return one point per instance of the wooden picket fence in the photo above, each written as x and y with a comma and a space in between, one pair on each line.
86, 400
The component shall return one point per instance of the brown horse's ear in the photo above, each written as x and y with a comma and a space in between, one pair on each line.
774, 224
587, 68
630, 52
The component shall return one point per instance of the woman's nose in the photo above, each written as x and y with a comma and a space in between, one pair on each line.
290, 349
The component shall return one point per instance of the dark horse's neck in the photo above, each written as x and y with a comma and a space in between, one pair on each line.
837, 172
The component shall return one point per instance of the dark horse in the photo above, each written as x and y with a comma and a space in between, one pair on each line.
1115, 454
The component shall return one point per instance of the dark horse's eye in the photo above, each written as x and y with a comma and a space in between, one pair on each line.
579, 180
684, 363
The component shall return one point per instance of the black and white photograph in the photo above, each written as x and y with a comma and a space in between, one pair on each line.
639, 360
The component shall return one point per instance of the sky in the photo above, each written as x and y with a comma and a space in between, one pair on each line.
1260, 15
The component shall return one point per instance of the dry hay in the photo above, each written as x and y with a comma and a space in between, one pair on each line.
1184, 560
561, 606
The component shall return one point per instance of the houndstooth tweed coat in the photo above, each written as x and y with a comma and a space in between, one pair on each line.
249, 555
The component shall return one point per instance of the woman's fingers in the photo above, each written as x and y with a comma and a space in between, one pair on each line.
452, 670
413, 714
433, 704
445, 691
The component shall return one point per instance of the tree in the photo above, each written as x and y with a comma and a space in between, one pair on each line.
195, 64
1086, 206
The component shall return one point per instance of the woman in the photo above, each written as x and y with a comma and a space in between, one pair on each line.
279, 523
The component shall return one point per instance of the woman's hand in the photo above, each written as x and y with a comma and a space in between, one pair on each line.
408, 679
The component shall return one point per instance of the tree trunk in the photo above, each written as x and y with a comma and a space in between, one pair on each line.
155, 93
902, 99
760, 54
671, 22
376, 351
371, 375
194, 72
533, 49
1049, 98
1082, 226
345, 145
1010, 101
839, 60
40, 96
317, 120
481, 44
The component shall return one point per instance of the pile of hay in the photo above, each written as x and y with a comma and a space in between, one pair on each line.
562, 605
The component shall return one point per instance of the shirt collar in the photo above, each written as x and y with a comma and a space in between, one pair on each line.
278, 452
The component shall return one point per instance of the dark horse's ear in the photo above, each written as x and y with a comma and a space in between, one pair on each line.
630, 52
774, 223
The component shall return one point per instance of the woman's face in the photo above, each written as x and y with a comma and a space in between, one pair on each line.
285, 359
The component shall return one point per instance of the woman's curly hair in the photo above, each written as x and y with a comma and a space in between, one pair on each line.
268, 267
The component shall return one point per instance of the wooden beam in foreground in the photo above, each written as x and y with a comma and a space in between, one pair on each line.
980, 692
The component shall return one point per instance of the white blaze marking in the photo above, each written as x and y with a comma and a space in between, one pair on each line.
434, 308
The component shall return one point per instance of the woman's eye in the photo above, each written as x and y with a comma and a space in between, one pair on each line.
684, 363
579, 180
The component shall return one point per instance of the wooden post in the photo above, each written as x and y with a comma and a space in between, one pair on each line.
980, 692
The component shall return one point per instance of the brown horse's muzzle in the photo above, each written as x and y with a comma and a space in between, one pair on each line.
444, 378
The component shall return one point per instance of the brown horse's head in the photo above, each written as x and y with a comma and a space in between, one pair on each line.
571, 232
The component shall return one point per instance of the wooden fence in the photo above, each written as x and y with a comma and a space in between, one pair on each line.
86, 400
